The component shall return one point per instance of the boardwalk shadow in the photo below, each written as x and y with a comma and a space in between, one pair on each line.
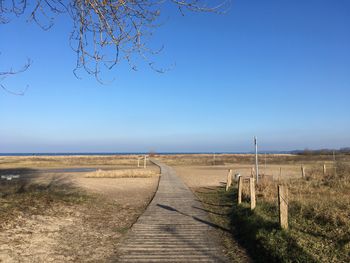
211, 212
169, 208
211, 204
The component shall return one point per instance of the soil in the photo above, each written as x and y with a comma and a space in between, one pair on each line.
85, 230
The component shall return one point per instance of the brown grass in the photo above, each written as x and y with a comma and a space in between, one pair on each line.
7, 162
319, 210
232, 159
124, 173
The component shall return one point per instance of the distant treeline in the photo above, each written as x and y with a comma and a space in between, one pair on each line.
345, 150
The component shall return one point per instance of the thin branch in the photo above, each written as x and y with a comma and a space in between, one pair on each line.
105, 32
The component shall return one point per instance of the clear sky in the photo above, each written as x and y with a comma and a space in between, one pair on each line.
277, 69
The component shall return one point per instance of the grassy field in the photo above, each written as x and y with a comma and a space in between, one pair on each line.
248, 159
319, 215
30, 162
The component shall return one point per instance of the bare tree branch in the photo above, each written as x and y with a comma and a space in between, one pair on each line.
8, 73
104, 32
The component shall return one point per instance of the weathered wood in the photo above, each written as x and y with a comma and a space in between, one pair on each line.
302, 171
229, 179
334, 164
252, 172
145, 162
279, 175
252, 193
138, 161
324, 169
283, 206
256, 160
240, 188
174, 228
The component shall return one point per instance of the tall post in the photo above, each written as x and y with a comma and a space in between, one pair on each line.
324, 169
252, 193
145, 162
256, 160
240, 188
280, 173
252, 171
334, 164
283, 206
302, 171
229, 179
138, 161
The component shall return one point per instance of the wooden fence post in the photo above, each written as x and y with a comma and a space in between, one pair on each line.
324, 169
283, 206
252, 172
145, 162
138, 161
252, 193
229, 179
240, 186
302, 171
280, 174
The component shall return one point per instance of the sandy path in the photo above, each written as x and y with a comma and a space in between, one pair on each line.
86, 232
202, 176
127, 191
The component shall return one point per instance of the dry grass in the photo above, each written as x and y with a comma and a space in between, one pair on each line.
7, 162
60, 224
319, 211
65, 217
247, 159
124, 173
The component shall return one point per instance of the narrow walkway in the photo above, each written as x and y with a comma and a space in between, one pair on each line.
174, 227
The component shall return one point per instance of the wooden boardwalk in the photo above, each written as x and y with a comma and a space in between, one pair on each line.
174, 228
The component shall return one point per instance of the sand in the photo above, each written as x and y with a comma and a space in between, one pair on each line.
87, 232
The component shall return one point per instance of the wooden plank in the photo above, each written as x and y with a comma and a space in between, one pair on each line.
302, 171
252, 172
252, 193
229, 179
240, 188
145, 162
174, 228
283, 206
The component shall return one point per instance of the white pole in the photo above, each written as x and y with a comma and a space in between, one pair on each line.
334, 164
256, 159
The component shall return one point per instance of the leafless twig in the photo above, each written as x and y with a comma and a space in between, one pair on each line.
104, 31
11, 72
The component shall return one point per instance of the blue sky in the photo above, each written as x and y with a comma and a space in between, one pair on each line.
279, 70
